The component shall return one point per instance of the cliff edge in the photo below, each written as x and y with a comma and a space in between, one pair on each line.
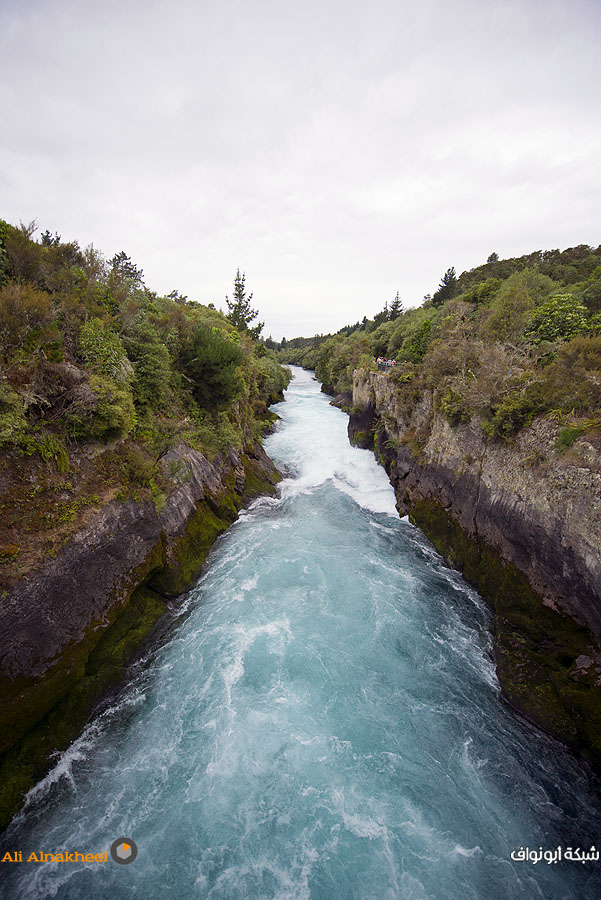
522, 520
70, 628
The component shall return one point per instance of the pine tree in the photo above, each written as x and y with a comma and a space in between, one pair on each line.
396, 307
240, 312
448, 288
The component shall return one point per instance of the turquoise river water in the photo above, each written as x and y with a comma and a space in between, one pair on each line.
322, 722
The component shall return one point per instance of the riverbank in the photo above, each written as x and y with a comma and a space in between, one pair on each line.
71, 627
522, 521
323, 722
130, 428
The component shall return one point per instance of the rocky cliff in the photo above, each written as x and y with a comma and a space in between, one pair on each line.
69, 629
522, 520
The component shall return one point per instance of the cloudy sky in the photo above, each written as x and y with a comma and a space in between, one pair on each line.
335, 150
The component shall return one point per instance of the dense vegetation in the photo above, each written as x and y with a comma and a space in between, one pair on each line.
100, 376
506, 341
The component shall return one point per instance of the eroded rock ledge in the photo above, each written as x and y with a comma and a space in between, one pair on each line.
69, 630
523, 524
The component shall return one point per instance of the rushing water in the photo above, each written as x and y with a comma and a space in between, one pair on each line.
324, 722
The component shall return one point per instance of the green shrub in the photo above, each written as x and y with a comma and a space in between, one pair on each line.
103, 351
271, 378
13, 423
52, 448
366, 362
179, 471
510, 310
572, 381
139, 467
483, 292
454, 407
402, 374
590, 292
151, 361
113, 415
380, 338
415, 345
210, 359
557, 319
568, 436
159, 497
25, 320
516, 411
212, 431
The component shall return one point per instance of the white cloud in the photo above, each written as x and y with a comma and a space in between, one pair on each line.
338, 152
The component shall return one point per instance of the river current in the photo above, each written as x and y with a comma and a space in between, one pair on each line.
323, 722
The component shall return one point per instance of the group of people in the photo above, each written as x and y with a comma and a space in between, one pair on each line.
383, 363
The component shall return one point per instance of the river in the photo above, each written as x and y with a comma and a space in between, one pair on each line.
323, 722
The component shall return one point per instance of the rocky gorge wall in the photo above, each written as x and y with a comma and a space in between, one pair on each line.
69, 630
522, 521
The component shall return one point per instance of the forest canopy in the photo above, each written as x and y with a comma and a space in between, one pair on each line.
88, 352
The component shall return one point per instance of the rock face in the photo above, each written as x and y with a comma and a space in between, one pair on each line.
55, 607
523, 523
342, 401
68, 631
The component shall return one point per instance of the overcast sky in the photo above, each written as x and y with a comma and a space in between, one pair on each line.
336, 150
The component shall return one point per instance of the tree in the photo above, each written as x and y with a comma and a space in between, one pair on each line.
211, 359
509, 311
24, 255
48, 241
177, 297
124, 277
94, 266
25, 319
124, 270
396, 307
152, 365
240, 312
493, 258
557, 319
447, 289
417, 346
573, 380
103, 351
